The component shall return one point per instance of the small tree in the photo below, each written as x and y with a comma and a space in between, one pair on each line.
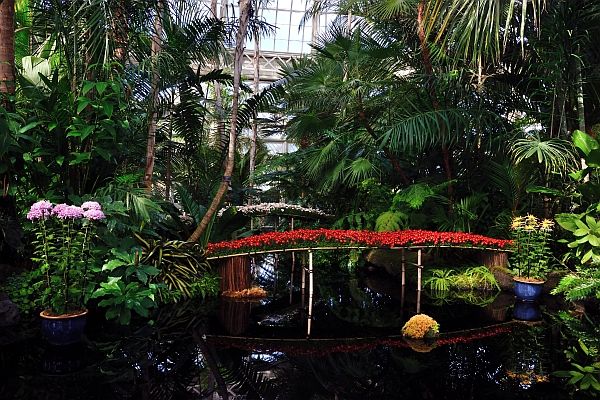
240, 41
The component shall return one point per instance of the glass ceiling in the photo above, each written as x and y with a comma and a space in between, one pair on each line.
291, 36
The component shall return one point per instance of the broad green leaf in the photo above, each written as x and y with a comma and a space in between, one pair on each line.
80, 157
82, 103
112, 264
101, 87
586, 257
593, 159
584, 142
29, 126
108, 109
567, 221
87, 87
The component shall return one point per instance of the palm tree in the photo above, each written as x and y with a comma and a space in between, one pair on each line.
240, 40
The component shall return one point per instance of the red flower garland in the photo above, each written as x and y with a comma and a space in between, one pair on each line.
349, 238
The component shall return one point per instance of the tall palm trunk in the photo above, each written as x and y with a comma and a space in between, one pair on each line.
222, 135
254, 121
153, 109
240, 40
7, 50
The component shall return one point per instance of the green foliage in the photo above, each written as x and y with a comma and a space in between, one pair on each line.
584, 375
356, 220
586, 230
128, 287
180, 264
471, 278
391, 221
70, 140
555, 155
414, 196
479, 277
440, 280
580, 285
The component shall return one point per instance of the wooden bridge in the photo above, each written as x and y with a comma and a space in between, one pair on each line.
309, 241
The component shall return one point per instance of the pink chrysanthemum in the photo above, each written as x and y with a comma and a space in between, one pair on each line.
40, 210
64, 211
91, 205
94, 215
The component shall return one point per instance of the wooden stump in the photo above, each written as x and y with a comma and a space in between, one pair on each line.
235, 274
492, 258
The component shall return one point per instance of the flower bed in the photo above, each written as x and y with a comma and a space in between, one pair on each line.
281, 209
313, 238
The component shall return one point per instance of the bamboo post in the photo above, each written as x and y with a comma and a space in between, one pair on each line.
310, 291
419, 268
402, 300
303, 285
403, 271
275, 271
292, 276
419, 277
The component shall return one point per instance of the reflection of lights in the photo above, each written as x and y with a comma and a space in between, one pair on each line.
527, 378
267, 357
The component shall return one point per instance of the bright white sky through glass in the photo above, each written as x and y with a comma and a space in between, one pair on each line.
286, 16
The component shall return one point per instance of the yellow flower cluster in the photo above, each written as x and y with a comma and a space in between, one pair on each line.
420, 326
531, 223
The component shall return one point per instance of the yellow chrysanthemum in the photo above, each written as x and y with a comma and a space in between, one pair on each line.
546, 225
517, 223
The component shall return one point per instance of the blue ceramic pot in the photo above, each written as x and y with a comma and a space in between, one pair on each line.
527, 311
528, 291
63, 329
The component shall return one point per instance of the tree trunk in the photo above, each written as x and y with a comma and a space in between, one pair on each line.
254, 122
222, 135
153, 108
7, 51
235, 274
244, 7
580, 109
120, 31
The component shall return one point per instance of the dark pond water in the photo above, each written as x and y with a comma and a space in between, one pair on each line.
253, 350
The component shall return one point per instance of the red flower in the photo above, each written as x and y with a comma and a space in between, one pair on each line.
315, 238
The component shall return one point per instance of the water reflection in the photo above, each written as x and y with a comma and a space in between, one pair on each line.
240, 350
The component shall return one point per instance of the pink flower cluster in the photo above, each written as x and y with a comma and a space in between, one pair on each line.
44, 209
65, 211
40, 210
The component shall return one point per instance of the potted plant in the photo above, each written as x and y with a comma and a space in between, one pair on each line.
531, 256
62, 249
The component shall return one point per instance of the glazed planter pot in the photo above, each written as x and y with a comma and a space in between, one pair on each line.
527, 290
64, 329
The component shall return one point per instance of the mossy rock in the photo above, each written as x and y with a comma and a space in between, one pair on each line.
552, 280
